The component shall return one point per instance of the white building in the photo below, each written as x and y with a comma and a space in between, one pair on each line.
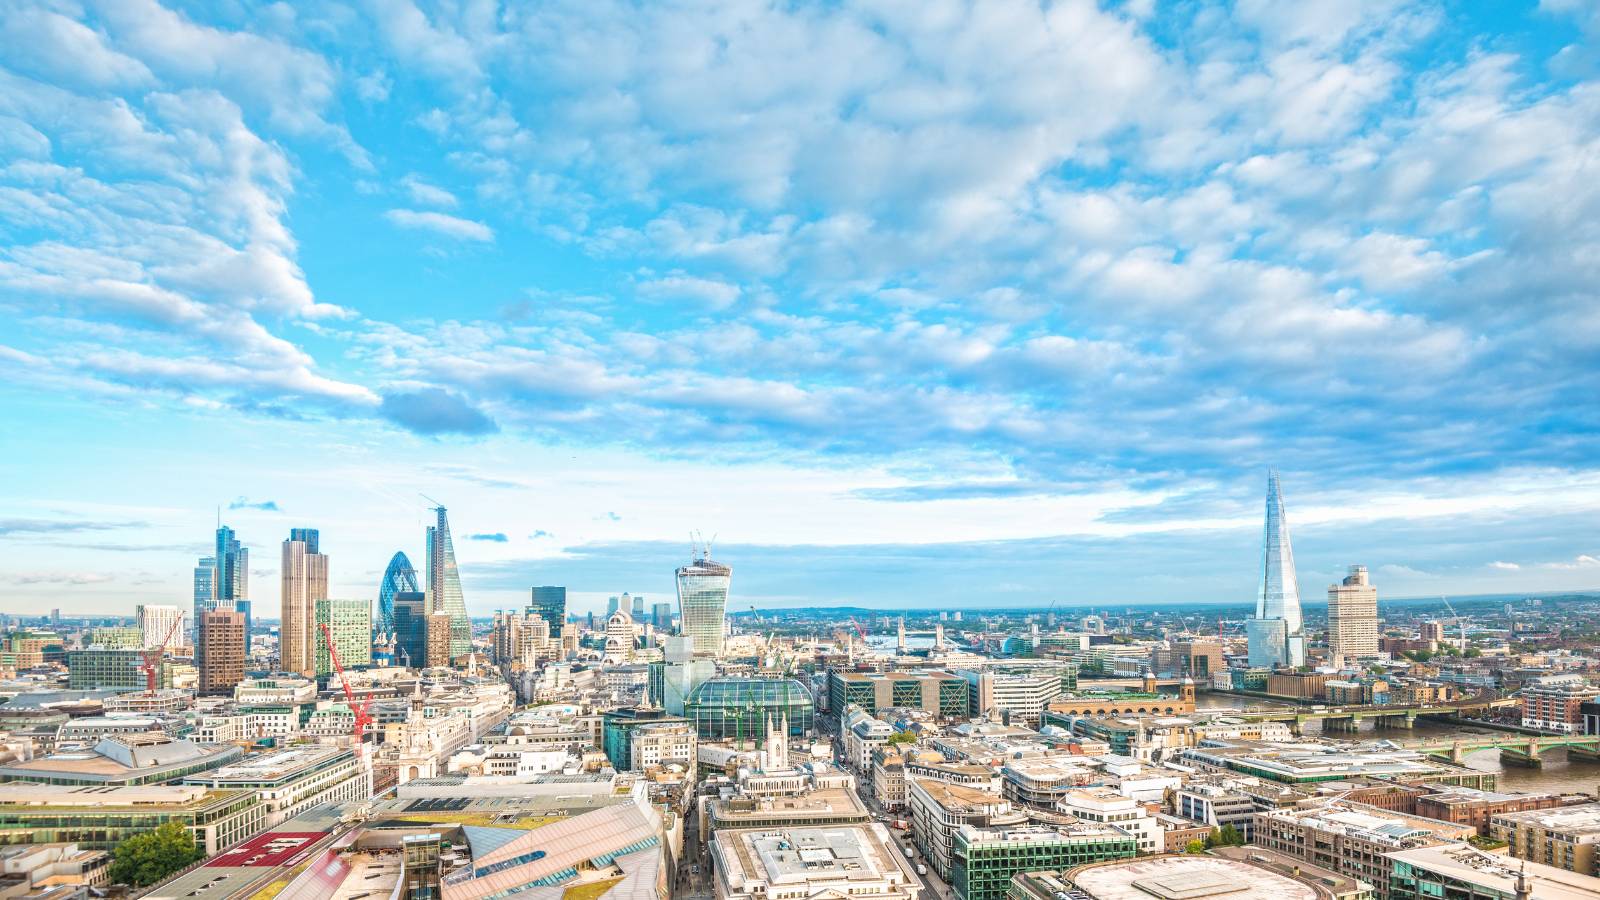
292, 781
158, 622
1107, 807
836, 861
1352, 618
860, 734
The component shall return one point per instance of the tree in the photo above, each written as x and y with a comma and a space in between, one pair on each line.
1226, 836
1472, 653
150, 856
903, 737
1195, 846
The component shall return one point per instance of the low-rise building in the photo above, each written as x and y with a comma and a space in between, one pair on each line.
663, 743
1217, 803
888, 778
1459, 870
1107, 807
983, 861
860, 733
1564, 838
102, 818
292, 780
1555, 702
1164, 877
837, 861
939, 809
1351, 839
1466, 806
124, 759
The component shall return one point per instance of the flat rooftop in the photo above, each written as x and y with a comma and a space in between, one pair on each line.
274, 766
1578, 821
1186, 878
1499, 873
21, 796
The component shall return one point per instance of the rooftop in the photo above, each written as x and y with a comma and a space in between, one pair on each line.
1570, 820
18, 796
1499, 873
1186, 878
275, 766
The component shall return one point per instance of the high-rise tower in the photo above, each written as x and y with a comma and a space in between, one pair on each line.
401, 576
549, 602
703, 601
1352, 618
305, 581
444, 585
1277, 633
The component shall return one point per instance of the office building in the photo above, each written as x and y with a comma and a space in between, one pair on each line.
103, 818
120, 637
126, 759
400, 577
233, 567
549, 602
618, 727
1184, 878
162, 626
661, 616
638, 608
1352, 618
205, 593
444, 586
223, 651
293, 780
102, 668
1017, 698
673, 680
1564, 838
703, 602
1350, 838
661, 744
305, 581
940, 693
836, 861
350, 624
410, 629
983, 861
1453, 871
242, 607
439, 634
1277, 632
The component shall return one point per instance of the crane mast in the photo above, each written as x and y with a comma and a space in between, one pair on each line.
363, 717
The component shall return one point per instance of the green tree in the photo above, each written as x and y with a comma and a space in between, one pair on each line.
1195, 846
903, 737
1472, 653
1226, 836
150, 856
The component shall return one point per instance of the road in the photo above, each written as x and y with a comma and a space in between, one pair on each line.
934, 887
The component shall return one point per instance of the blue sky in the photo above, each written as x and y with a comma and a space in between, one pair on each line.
909, 303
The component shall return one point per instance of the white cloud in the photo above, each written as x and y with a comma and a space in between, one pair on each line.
425, 194
707, 292
1507, 566
439, 223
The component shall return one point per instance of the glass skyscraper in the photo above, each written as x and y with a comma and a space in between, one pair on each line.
400, 576
233, 567
550, 604
350, 624
1277, 632
205, 592
444, 585
703, 602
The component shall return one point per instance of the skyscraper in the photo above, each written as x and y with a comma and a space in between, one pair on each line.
350, 624
1276, 632
222, 636
411, 629
205, 593
1352, 617
550, 603
305, 581
661, 616
444, 586
233, 567
703, 601
400, 576
638, 608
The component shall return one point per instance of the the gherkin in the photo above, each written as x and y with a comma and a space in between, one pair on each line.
401, 576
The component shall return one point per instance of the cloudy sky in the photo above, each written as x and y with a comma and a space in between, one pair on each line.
909, 303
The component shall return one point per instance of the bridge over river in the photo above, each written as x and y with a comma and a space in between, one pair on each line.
1349, 718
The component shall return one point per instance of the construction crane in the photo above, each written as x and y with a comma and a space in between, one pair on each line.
1460, 622
152, 658
363, 717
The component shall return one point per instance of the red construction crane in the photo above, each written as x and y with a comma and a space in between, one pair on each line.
363, 717
152, 658
859, 630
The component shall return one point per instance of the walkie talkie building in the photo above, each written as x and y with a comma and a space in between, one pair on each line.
703, 602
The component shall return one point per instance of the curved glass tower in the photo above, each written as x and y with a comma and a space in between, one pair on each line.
1277, 632
400, 576
444, 585
703, 602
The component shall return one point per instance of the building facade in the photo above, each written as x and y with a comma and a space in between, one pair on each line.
399, 577
984, 860
222, 640
703, 602
349, 622
737, 707
549, 602
304, 579
1555, 702
1352, 618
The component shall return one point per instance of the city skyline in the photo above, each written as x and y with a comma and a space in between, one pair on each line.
368, 271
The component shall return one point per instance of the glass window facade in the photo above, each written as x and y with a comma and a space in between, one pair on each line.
703, 603
739, 708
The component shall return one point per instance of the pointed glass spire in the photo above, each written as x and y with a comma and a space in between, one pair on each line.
400, 576
1280, 591
444, 585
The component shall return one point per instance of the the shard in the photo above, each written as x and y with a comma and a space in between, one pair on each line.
1277, 632
444, 585
401, 576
